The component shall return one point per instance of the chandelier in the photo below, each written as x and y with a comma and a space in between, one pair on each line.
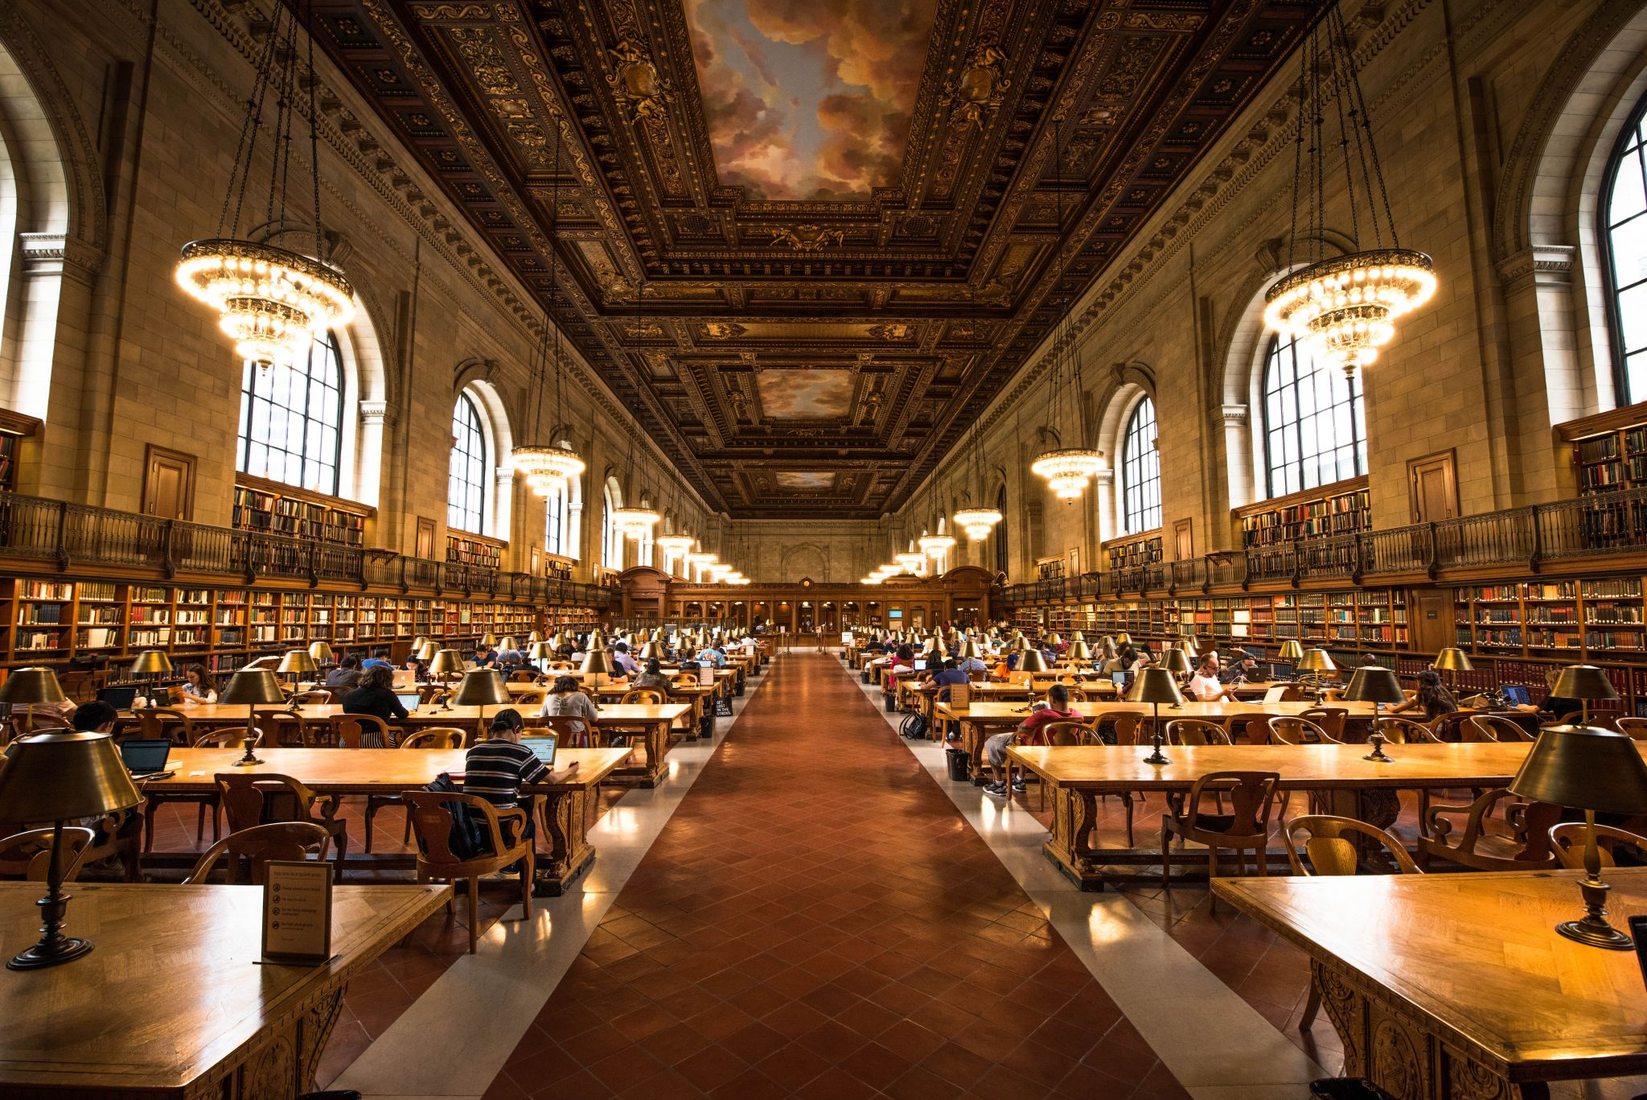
935, 546
675, 546
270, 301
1066, 470
977, 522
635, 523
717, 572
548, 467
911, 560
700, 562
1342, 308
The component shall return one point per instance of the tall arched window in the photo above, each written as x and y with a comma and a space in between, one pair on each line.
558, 521
291, 419
611, 539
466, 477
1315, 430
1624, 233
1001, 531
1140, 472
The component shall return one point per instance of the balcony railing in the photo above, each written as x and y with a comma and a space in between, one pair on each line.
69, 536
1531, 537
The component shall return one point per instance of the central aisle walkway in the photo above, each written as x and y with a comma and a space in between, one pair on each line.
818, 920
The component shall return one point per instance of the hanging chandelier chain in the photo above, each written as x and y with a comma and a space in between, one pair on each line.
314, 135
1364, 135
274, 207
246, 148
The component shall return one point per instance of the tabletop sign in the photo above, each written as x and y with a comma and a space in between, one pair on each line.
297, 912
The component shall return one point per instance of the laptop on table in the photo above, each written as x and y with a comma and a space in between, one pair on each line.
145, 758
543, 747
409, 699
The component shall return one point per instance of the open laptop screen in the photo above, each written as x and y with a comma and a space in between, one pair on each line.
542, 746
409, 699
143, 757
120, 698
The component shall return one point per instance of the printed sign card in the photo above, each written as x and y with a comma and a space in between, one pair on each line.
297, 912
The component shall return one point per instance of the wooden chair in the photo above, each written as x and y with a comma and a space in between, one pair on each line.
1495, 727
430, 737
1568, 840
268, 797
1128, 728
1196, 731
432, 822
312, 697
202, 801
532, 698
1330, 720
1329, 842
250, 851
1253, 797
1250, 729
166, 723
362, 731
571, 732
1519, 841
1406, 731
524, 676
1634, 728
26, 856
228, 737
288, 729
1289, 730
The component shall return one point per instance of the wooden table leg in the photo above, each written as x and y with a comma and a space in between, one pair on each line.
1070, 848
563, 842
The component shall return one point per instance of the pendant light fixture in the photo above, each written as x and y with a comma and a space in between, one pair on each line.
976, 521
637, 522
911, 560
1342, 308
674, 543
935, 546
548, 466
270, 301
1065, 469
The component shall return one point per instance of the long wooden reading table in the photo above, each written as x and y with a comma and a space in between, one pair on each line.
1077, 775
1457, 987
172, 1003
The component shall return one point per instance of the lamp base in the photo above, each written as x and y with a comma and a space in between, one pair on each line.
51, 952
247, 762
1597, 933
1157, 757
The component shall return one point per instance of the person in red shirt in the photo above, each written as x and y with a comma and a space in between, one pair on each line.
1057, 709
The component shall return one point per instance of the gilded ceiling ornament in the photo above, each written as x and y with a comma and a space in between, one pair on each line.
808, 238
980, 87
894, 331
635, 81
723, 330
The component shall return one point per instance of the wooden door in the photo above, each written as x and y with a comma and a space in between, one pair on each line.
1183, 541
1431, 612
425, 539
1432, 483
168, 483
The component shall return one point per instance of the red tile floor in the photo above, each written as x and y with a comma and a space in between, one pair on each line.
817, 920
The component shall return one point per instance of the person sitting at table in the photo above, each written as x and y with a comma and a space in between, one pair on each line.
485, 656
375, 662
197, 686
620, 654
346, 675
709, 655
972, 664
1432, 697
1242, 671
95, 716
652, 679
374, 694
419, 670
567, 698
496, 768
1055, 709
944, 677
1204, 686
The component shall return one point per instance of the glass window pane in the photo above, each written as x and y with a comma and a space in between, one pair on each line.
1314, 429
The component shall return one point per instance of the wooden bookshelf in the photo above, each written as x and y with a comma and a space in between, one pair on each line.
1135, 552
269, 506
1272, 531
1587, 619
1609, 454
475, 550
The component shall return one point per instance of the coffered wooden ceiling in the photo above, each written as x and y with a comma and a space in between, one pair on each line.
812, 356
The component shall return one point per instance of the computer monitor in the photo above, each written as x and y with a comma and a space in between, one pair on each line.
920, 664
145, 756
542, 746
120, 698
409, 699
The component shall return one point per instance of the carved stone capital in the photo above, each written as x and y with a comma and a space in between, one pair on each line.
58, 254
1544, 264
1104, 478
1234, 414
374, 412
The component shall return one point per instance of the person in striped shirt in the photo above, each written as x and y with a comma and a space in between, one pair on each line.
496, 768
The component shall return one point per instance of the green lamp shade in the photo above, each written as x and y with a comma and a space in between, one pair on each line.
1586, 769
251, 686
481, 687
57, 776
1374, 684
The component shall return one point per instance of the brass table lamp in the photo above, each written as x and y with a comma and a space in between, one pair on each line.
154, 664
446, 663
321, 653
1316, 661
1079, 650
418, 643
1123, 638
489, 640
249, 687
1595, 771
508, 645
1177, 662
598, 663
1031, 659
482, 687
1155, 686
426, 652
297, 663
1453, 660
26, 686
1377, 685
60, 777
1291, 650
651, 651
1187, 644
1584, 683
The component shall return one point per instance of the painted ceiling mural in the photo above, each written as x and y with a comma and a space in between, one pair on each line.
809, 99
807, 242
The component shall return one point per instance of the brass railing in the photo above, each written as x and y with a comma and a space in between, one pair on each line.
1531, 537
67, 536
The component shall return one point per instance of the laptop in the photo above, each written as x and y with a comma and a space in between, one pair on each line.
542, 746
920, 666
120, 698
404, 678
145, 758
409, 699
1119, 679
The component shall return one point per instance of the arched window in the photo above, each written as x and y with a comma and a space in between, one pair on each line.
466, 477
1315, 431
291, 419
1001, 531
611, 539
1140, 471
558, 516
1624, 236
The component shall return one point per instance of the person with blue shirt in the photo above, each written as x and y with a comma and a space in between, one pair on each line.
710, 656
971, 664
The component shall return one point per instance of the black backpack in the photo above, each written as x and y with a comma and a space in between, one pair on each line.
913, 726
468, 838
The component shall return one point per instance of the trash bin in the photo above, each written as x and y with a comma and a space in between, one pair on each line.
958, 771
891, 704
1347, 1088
